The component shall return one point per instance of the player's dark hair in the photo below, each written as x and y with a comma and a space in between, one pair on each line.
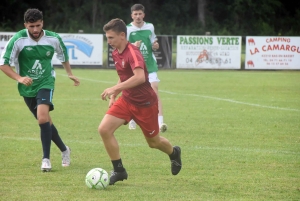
117, 25
136, 7
33, 15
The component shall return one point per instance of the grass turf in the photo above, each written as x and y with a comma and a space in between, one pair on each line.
238, 130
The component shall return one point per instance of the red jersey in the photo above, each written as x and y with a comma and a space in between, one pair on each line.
142, 95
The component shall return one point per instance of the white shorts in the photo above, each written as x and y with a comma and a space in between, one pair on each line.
153, 77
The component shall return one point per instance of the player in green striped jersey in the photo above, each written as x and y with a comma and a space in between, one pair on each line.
30, 51
142, 35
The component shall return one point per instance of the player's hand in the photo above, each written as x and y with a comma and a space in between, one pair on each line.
155, 45
27, 81
75, 79
137, 43
111, 101
108, 93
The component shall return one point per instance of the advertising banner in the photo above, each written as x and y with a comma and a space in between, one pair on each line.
163, 55
110, 61
272, 52
83, 50
4, 38
209, 52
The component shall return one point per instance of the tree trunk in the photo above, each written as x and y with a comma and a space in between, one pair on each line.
94, 12
201, 11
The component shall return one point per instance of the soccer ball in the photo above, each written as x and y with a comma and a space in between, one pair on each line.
97, 178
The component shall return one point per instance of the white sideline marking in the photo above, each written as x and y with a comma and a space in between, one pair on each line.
100, 81
174, 93
60, 99
209, 97
233, 101
228, 149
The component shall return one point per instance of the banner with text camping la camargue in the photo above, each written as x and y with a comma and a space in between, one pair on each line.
272, 52
83, 49
209, 52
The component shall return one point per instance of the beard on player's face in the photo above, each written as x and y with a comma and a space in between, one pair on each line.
35, 35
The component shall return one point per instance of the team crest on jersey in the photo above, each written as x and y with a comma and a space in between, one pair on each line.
123, 63
48, 53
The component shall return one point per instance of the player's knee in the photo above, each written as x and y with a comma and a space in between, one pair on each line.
103, 130
153, 144
42, 119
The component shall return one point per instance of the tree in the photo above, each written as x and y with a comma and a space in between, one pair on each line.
172, 17
201, 11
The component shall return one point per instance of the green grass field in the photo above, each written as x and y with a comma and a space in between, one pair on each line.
239, 132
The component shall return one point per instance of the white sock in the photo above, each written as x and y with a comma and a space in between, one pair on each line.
160, 120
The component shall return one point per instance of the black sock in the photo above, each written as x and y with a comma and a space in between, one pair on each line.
46, 135
118, 166
173, 155
57, 140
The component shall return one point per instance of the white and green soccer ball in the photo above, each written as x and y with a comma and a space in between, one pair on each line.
97, 178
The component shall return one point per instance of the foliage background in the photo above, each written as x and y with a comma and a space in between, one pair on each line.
170, 17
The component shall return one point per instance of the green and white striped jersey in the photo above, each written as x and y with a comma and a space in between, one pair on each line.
147, 36
34, 59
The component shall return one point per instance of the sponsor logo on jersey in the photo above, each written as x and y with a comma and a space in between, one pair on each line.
36, 71
143, 49
152, 132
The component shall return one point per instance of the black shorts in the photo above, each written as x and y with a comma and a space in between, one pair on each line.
44, 96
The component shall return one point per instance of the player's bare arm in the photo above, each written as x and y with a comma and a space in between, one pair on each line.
67, 67
137, 43
112, 98
155, 45
13, 75
111, 92
137, 79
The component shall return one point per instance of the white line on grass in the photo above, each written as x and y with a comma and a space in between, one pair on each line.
232, 101
92, 80
174, 93
58, 99
209, 97
227, 149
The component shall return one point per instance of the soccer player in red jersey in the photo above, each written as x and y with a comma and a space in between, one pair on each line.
138, 102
